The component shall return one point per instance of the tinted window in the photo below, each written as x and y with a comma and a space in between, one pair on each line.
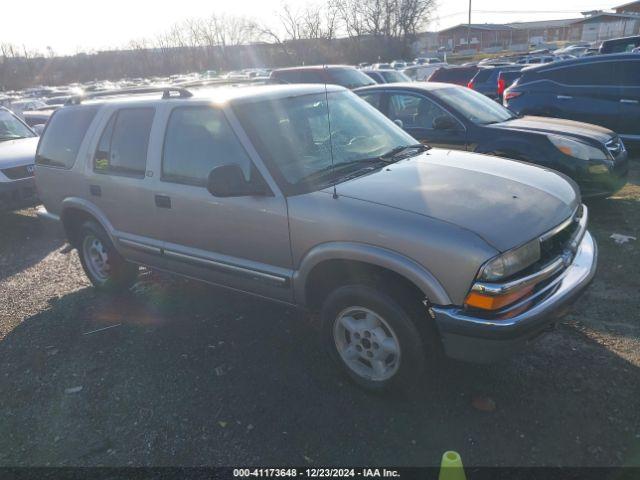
123, 144
596, 73
372, 99
198, 139
629, 73
454, 75
349, 77
64, 133
414, 110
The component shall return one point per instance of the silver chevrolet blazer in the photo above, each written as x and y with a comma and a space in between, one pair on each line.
307, 195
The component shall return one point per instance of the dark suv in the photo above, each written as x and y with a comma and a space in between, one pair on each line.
344, 76
486, 80
604, 90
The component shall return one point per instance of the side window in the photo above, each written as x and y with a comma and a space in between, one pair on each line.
122, 148
414, 111
372, 99
62, 138
629, 73
197, 140
310, 76
597, 73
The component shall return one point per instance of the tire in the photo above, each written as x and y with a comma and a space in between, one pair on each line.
360, 326
101, 262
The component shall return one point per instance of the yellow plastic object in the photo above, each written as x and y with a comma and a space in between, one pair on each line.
451, 467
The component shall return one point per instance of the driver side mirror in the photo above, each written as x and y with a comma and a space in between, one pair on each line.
229, 181
444, 122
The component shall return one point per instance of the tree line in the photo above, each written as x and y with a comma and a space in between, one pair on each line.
337, 31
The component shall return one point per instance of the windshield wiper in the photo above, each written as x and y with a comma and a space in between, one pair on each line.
395, 152
340, 167
11, 137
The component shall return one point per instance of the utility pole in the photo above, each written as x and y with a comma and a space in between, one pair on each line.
469, 28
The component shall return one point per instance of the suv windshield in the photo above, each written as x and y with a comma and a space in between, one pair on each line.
476, 107
11, 128
292, 134
349, 77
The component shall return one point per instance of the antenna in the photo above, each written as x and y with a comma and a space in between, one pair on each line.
326, 99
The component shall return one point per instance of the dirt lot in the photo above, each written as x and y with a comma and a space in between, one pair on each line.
195, 376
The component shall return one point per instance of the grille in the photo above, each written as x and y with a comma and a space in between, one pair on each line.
615, 146
16, 173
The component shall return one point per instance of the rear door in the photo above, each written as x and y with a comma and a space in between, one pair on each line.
629, 118
121, 185
588, 92
416, 114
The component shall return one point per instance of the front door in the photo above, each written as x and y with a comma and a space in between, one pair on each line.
423, 119
242, 241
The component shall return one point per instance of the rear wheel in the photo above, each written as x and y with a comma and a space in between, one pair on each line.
373, 338
104, 266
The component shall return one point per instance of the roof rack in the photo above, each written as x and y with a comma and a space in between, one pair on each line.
167, 93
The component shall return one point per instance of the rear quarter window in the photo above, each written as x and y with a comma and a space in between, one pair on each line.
63, 136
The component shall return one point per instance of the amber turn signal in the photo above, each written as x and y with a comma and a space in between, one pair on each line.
495, 302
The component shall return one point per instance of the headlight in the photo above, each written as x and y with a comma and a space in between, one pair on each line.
511, 262
576, 149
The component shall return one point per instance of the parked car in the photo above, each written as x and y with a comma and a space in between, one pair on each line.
426, 60
387, 76
420, 73
620, 45
450, 116
398, 64
486, 80
403, 251
536, 59
505, 80
382, 66
455, 75
17, 153
37, 119
603, 90
344, 76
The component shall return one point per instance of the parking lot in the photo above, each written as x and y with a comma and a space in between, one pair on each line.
191, 375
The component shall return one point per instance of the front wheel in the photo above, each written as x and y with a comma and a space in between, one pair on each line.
373, 338
104, 266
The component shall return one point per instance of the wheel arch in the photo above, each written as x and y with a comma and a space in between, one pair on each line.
334, 259
75, 211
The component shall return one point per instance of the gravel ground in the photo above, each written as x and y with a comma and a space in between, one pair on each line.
191, 375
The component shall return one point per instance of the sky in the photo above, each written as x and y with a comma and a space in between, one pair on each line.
71, 26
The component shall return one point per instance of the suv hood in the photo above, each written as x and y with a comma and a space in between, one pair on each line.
506, 202
559, 126
15, 153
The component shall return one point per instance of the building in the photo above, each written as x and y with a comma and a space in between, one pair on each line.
631, 7
594, 27
545, 31
600, 26
478, 36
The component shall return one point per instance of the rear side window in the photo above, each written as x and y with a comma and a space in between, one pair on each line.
64, 133
372, 99
199, 139
597, 73
124, 141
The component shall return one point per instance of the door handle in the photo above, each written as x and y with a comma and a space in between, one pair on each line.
626, 100
95, 190
563, 97
163, 201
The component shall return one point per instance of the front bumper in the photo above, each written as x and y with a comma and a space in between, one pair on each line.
471, 338
17, 194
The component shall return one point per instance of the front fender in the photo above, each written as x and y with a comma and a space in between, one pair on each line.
381, 257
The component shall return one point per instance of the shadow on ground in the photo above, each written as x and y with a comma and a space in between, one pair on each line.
196, 376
